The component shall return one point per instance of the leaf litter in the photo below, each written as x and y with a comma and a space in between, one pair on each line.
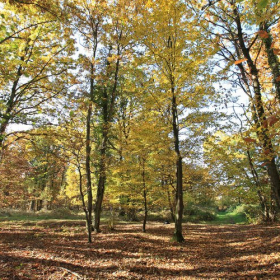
59, 250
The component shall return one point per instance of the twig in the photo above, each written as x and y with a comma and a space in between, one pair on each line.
72, 272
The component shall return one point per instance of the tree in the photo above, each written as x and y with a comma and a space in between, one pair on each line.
227, 23
33, 64
174, 67
47, 177
14, 169
106, 38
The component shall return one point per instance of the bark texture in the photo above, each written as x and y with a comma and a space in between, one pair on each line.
178, 233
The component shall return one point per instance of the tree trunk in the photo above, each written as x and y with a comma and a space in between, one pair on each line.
145, 198
272, 212
88, 217
107, 114
88, 157
272, 59
102, 164
99, 200
39, 205
10, 105
3, 127
171, 207
178, 233
262, 198
32, 205
146, 210
88, 173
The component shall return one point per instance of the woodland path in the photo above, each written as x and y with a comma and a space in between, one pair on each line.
59, 250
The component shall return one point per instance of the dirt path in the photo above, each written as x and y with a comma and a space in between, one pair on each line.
58, 250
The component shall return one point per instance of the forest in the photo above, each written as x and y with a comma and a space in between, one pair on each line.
153, 123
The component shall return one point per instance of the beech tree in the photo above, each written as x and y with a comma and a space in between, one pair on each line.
174, 70
106, 39
227, 23
33, 64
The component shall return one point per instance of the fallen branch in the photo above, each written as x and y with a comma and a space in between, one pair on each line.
72, 272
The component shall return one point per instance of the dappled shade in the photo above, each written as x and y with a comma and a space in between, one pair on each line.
56, 250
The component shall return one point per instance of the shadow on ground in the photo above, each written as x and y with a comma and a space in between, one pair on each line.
59, 250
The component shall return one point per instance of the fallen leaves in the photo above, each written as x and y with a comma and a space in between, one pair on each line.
127, 253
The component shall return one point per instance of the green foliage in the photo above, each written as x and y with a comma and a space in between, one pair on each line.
253, 213
197, 213
262, 4
240, 214
230, 218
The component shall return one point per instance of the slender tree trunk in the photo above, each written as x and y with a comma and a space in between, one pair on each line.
171, 206
99, 200
102, 164
262, 198
272, 212
88, 174
32, 205
3, 128
178, 233
88, 153
146, 209
88, 219
145, 197
264, 206
39, 204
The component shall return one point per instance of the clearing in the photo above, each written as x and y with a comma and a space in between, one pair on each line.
57, 249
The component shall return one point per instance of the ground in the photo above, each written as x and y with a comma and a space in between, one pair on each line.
59, 250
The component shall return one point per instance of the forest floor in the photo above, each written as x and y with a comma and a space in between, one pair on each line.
56, 249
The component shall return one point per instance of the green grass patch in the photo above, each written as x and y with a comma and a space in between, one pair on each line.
210, 215
194, 214
230, 218
13, 215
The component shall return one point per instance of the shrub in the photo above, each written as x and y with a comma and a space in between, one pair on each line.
253, 213
199, 214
